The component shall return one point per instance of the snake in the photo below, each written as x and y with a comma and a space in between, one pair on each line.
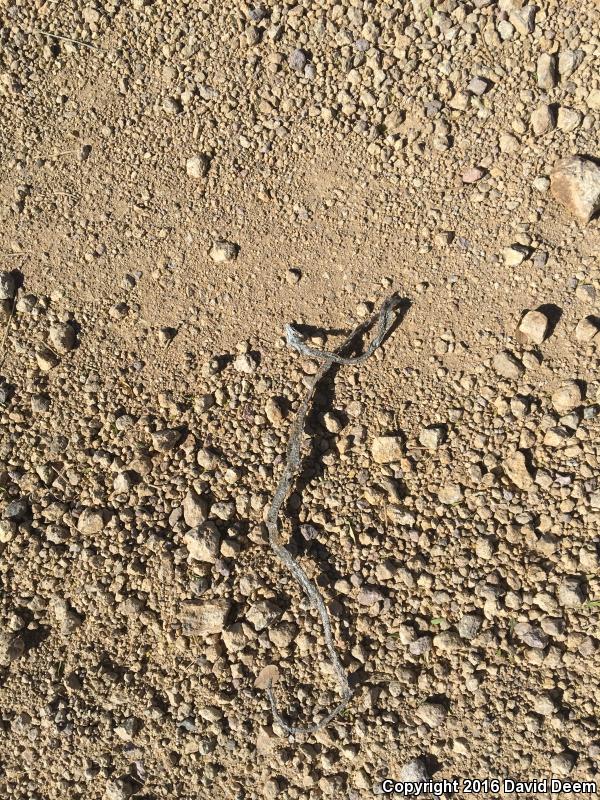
383, 320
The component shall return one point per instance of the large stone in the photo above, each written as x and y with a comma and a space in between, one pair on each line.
263, 613
274, 411
575, 183
297, 59
472, 174
386, 449
523, 19
567, 397
63, 337
125, 481
515, 254
91, 521
534, 326
203, 542
586, 293
195, 509
17, 510
432, 714
571, 593
12, 647
545, 706
556, 436
562, 763
530, 635
450, 493
547, 71
587, 329
267, 677
543, 119
593, 100
8, 286
432, 437
569, 119
200, 618
166, 439
234, 638
517, 470
246, 363
46, 358
393, 122
508, 365
469, 626
414, 771
569, 61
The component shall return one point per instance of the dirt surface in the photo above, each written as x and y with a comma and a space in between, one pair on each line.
179, 180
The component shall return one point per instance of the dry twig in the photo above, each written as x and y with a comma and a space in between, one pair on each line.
69, 39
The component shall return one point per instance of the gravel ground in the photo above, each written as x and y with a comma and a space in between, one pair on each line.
177, 181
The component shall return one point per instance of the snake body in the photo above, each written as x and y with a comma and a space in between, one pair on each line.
290, 472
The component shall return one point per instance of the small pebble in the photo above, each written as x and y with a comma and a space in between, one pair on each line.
223, 251
197, 166
8, 286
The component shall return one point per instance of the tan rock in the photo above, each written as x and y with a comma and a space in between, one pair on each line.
508, 143
200, 618
46, 359
393, 122
268, 676
547, 71
274, 411
12, 647
91, 521
197, 166
587, 329
386, 449
514, 255
593, 100
569, 61
523, 19
62, 337
543, 119
203, 542
517, 470
556, 437
575, 183
508, 365
450, 493
223, 251
567, 397
472, 174
569, 119
586, 293
443, 238
432, 714
234, 637
534, 326
432, 437
195, 509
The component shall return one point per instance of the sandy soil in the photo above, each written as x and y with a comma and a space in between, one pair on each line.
179, 180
